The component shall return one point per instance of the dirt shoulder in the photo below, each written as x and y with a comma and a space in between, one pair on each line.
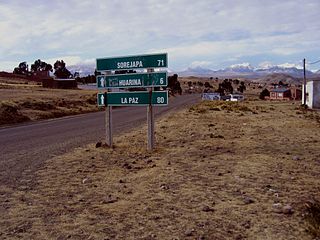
221, 170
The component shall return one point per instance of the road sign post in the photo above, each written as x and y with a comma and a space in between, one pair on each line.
149, 80
108, 117
108, 121
150, 119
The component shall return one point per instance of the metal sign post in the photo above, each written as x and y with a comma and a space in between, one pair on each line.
150, 118
108, 122
108, 119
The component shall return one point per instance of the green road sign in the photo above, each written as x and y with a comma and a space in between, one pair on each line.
157, 79
159, 60
158, 98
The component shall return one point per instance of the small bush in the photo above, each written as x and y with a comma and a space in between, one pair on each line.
10, 114
313, 218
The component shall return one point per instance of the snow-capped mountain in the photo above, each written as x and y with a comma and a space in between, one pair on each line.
247, 70
239, 68
83, 69
197, 71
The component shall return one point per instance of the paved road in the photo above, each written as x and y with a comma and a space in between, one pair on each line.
26, 147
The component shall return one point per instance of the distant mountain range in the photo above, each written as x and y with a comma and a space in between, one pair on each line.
277, 77
237, 70
246, 70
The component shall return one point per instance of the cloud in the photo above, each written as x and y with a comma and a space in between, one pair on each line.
190, 31
202, 64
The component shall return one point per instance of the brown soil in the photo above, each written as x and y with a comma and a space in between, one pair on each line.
221, 170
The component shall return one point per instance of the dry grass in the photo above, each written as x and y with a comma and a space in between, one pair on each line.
32, 102
218, 172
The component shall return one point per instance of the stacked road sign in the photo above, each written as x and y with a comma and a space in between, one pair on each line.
133, 80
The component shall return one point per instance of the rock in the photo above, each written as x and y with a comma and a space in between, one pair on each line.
287, 209
148, 161
86, 180
110, 199
296, 158
207, 209
277, 207
98, 144
248, 200
219, 136
189, 232
127, 166
247, 224
164, 187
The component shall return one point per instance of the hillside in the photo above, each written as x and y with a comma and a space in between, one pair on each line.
276, 77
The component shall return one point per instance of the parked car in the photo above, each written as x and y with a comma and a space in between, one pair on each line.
235, 97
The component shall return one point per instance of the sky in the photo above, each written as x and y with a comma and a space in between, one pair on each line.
195, 33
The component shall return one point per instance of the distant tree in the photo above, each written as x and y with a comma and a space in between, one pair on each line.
207, 85
60, 70
236, 81
21, 69
174, 84
265, 93
96, 73
242, 87
225, 87
39, 66
76, 75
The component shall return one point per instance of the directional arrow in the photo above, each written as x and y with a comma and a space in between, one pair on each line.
102, 81
102, 99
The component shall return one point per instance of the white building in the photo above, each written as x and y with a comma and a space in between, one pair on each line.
312, 94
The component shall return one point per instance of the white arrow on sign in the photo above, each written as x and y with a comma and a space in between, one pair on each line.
102, 99
102, 82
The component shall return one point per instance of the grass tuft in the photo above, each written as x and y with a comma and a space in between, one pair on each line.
313, 218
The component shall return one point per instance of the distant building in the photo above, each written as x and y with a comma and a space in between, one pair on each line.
296, 93
40, 76
312, 94
60, 83
280, 94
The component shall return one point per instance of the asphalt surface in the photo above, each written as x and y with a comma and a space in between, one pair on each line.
25, 148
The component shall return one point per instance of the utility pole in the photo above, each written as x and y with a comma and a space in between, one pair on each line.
304, 83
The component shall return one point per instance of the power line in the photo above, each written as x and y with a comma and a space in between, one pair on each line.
314, 62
